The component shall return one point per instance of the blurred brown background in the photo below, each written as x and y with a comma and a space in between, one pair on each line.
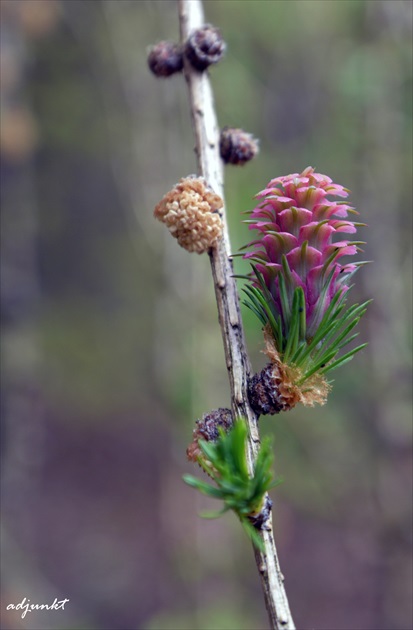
110, 341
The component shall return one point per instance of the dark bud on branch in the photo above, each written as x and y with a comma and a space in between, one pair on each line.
165, 59
204, 47
237, 146
208, 429
263, 393
259, 519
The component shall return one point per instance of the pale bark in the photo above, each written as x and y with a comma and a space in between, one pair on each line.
211, 168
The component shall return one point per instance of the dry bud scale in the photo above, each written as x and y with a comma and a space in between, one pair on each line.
298, 287
208, 429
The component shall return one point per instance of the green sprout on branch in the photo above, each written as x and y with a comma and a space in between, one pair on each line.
226, 463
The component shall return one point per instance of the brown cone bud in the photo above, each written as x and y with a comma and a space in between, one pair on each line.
237, 146
165, 59
204, 47
208, 429
263, 393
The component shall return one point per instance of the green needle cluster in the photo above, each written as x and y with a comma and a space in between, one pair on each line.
310, 354
226, 463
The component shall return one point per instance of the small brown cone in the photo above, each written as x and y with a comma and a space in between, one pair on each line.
208, 429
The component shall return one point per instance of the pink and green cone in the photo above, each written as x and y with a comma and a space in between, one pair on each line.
299, 281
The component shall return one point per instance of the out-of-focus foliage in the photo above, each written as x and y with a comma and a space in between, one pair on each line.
111, 346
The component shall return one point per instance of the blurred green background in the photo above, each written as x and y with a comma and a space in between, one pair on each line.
110, 342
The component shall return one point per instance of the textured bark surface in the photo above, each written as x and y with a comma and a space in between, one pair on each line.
210, 166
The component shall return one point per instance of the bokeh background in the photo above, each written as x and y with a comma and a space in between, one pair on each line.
110, 342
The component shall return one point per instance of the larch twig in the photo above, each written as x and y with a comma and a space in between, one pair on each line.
211, 168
